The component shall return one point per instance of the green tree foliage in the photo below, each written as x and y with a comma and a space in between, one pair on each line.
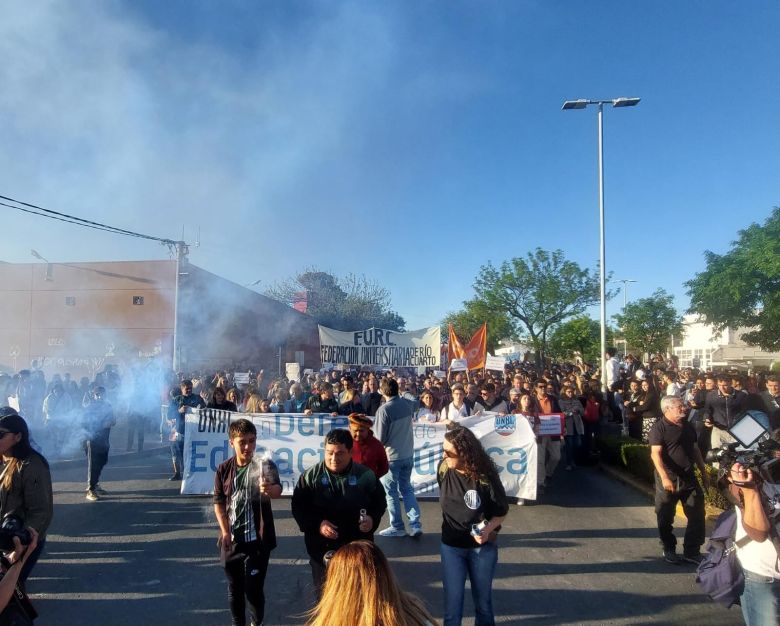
648, 323
742, 287
473, 314
579, 334
350, 303
537, 293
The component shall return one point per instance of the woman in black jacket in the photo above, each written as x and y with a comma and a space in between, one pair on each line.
25, 483
649, 407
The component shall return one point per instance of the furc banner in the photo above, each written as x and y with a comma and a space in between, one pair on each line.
294, 441
381, 348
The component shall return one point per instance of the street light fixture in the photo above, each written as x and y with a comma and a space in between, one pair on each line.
581, 104
625, 282
48, 276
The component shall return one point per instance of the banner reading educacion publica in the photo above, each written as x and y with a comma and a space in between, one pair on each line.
295, 444
381, 348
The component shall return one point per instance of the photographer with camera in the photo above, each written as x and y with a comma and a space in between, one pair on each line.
758, 557
26, 502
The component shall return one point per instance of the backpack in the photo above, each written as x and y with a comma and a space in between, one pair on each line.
720, 575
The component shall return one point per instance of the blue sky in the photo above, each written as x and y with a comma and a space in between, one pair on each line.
410, 141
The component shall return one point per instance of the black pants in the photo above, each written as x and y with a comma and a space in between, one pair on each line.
245, 567
97, 457
692, 498
136, 425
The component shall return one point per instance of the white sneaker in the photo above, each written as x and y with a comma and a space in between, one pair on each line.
392, 532
415, 532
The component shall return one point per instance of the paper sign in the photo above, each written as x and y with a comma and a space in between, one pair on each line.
293, 371
495, 363
440, 374
551, 425
241, 378
459, 365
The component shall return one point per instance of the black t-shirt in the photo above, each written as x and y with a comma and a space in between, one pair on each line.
465, 502
677, 444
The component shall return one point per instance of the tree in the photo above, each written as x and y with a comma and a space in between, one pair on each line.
537, 293
579, 334
473, 314
741, 289
351, 303
648, 323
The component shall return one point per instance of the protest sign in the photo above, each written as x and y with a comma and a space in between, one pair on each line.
495, 363
551, 425
241, 378
458, 365
292, 371
381, 348
440, 374
295, 443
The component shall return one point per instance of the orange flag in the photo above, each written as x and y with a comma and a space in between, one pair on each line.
476, 349
454, 347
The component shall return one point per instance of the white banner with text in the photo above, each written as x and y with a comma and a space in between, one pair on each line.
381, 348
295, 444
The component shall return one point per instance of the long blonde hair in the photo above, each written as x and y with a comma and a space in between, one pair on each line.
253, 403
361, 590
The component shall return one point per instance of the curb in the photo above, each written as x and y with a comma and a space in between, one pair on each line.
711, 513
71, 463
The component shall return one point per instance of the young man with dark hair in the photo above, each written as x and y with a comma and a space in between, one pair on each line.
721, 409
335, 502
242, 492
323, 402
771, 400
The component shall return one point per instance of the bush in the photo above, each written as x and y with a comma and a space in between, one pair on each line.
634, 457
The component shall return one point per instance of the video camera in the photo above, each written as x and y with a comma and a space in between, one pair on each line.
13, 526
754, 448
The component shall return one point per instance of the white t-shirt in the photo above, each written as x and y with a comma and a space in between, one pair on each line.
758, 557
454, 414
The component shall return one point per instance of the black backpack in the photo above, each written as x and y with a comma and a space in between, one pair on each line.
720, 575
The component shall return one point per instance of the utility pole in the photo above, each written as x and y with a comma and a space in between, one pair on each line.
182, 249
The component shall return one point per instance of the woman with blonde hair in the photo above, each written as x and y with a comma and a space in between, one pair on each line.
253, 403
362, 566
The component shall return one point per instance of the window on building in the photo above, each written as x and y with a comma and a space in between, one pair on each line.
70, 300
138, 300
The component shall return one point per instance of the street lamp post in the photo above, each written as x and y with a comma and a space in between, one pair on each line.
625, 282
581, 104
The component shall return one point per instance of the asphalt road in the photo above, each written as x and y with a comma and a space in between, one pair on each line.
586, 554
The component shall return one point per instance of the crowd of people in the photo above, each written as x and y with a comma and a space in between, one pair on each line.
365, 472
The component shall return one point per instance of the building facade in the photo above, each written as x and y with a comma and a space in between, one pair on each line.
78, 317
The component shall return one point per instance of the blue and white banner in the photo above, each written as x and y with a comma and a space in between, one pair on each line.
295, 444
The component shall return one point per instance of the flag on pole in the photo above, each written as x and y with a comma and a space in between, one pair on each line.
476, 349
454, 347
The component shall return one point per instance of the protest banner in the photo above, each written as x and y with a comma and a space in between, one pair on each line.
295, 444
495, 363
381, 348
551, 425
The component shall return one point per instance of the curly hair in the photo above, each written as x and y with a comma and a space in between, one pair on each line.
477, 464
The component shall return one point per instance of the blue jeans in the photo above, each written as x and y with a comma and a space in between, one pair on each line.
760, 600
572, 442
398, 480
480, 564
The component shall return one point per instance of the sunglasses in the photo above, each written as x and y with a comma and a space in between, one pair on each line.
3, 433
449, 454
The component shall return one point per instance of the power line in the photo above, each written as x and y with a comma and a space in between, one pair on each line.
79, 221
